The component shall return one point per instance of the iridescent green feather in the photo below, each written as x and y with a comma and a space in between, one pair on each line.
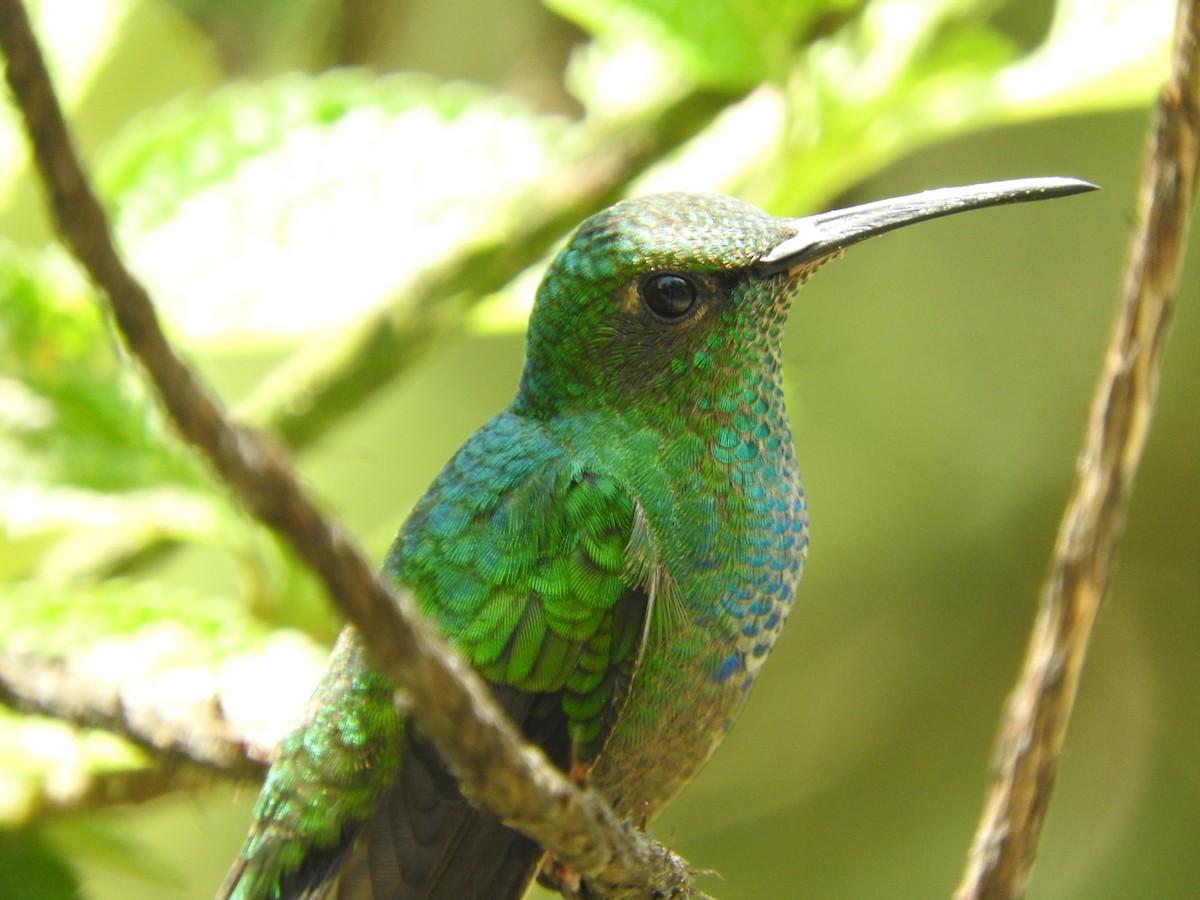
319, 783
564, 612
563, 534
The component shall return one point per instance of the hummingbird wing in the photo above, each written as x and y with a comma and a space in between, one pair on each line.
542, 574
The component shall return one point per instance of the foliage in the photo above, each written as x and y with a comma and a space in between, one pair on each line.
268, 215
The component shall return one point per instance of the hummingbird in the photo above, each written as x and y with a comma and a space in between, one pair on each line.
615, 553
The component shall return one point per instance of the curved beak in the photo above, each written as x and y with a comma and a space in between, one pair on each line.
819, 236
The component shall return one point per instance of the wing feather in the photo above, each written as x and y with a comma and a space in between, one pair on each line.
543, 576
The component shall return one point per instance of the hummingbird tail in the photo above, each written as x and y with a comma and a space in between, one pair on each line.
426, 842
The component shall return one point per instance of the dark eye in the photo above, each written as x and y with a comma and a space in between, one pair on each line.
668, 296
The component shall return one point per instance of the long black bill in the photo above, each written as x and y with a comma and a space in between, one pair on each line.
824, 234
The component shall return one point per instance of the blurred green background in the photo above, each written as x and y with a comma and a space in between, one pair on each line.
938, 382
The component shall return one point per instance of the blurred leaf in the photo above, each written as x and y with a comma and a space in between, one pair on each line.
97, 54
60, 531
902, 75
617, 76
725, 43
74, 620
31, 870
81, 446
268, 211
46, 764
74, 412
1100, 54
883, 81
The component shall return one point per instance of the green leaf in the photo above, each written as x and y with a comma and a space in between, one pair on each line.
74, 412
725, 43
77, 38
31, 870
82, 449
883, 80
265, 212
46, 764
1100, 54
97, 52
68, 621
902, 75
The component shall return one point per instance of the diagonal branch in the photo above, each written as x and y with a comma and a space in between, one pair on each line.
494, 767
1034, 727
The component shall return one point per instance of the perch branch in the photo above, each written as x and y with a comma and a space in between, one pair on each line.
1035, 721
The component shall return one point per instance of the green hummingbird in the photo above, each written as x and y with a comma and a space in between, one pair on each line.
615, 553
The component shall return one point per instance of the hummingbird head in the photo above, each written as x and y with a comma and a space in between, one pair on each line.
651, 294
672, 298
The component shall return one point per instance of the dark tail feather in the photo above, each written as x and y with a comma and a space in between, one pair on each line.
425, 842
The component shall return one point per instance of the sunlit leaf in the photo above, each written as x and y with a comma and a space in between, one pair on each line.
97, 52
57, 620
48, 765
82, 448
1100, 54
903, 75
267, 211
75, 412
726, 42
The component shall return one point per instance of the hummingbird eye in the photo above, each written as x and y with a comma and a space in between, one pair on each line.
668, 295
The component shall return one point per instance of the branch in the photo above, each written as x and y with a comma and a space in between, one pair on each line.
495, 769
192, 745
195, 738
1035, 722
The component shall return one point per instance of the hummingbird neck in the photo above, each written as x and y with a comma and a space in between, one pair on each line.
710, 420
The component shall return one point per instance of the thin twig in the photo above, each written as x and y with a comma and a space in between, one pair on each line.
494, 767
192, 738
1035, 722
